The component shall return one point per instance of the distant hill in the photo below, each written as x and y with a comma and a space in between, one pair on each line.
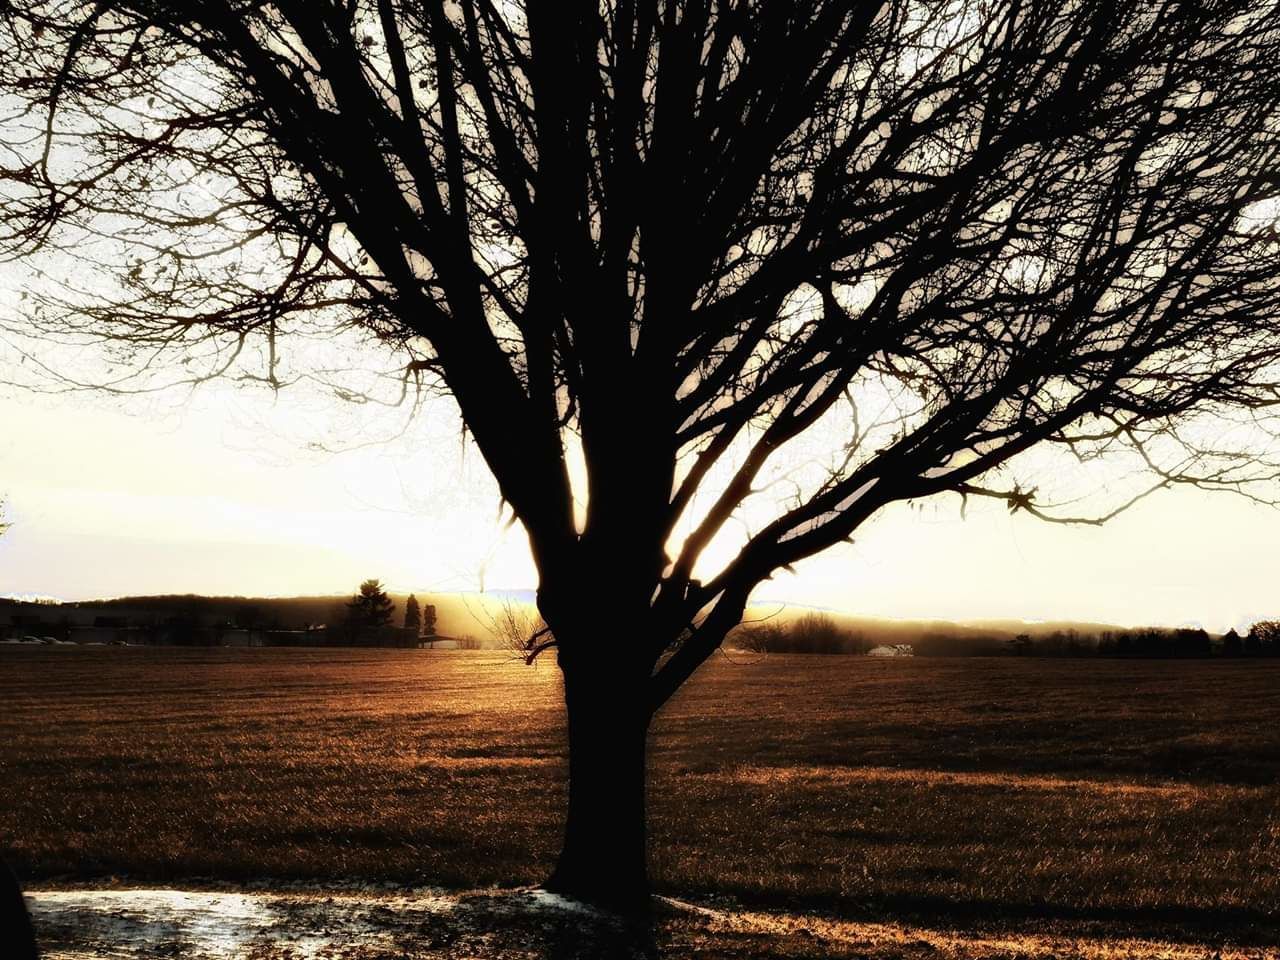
935, 637
474, 614
457, 614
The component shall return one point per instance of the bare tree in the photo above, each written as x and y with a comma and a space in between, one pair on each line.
796, 259
519, 630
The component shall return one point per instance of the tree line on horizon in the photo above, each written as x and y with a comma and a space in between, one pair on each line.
203, 621
820, 633
370, 616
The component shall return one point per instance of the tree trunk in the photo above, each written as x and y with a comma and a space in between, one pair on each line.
603, 859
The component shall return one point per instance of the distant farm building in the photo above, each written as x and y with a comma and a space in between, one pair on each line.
892, 650
437, 642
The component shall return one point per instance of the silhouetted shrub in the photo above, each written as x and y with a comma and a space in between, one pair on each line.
1263, 639
811, 633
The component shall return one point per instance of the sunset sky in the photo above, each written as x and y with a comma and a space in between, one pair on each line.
238, 491
221, 494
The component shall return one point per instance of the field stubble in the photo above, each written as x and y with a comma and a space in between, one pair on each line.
1130, 796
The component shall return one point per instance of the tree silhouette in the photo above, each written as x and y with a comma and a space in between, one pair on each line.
1264, 638
371, 607
785, 263
1253, 643
14, 919
1232, 645
412, 615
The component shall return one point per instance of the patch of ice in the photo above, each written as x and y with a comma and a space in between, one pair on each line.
220, 925
205, 925
540, 899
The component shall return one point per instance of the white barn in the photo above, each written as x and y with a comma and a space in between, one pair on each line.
892, 650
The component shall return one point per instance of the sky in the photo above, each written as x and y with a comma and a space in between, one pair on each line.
224, 493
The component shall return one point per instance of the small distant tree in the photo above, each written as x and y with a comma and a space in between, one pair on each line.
1053, 643
1021, 644
371, 607
1232, 644
759, 637
811, 633
819, 633
1253, 642
520, 629
1191, 642
1263, 639
429, 620
412, 615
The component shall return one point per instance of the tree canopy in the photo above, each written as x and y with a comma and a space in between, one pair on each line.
683, 236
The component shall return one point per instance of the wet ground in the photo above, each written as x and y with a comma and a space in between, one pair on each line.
509, 925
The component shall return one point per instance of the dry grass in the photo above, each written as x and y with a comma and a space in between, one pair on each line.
1135, 796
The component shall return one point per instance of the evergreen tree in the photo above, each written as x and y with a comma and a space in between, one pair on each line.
1232, 645
412, 615
371, 607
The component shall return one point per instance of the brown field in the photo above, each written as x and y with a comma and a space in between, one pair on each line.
1138, 797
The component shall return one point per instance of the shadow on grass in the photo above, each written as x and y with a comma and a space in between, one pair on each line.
1245, 926
555, 927
577, 939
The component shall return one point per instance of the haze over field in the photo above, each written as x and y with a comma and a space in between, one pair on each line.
220, 495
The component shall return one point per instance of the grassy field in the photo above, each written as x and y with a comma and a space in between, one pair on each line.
1136, 796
